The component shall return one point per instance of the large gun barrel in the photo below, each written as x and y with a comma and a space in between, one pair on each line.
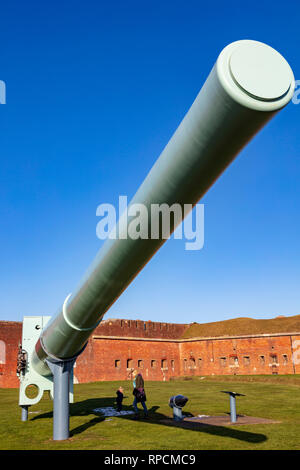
249, 83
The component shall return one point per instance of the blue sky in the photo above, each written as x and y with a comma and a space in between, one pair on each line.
94, 92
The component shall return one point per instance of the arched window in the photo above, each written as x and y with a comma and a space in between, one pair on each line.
246, 360
262, 360
192, 363
285, 358
273, 358
233, 360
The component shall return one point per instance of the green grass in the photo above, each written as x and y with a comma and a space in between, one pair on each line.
273, 397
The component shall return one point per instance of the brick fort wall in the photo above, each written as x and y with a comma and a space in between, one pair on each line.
117, 347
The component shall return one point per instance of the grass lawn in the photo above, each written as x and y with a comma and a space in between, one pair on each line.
272, 397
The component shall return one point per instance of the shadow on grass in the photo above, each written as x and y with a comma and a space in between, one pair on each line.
86, 407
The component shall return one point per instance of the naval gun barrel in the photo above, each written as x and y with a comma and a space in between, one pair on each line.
249, 83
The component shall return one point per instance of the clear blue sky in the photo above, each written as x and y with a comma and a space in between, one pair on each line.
94, 92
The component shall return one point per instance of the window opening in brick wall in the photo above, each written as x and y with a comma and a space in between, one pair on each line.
285, 358
246, 360
192, 363
140, 364
223, 361
233, 361
2, 352
273, 358
117, 363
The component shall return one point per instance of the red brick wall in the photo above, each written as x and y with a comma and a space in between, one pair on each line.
295, 347
10, 336
114, 359
247, 356
140, 329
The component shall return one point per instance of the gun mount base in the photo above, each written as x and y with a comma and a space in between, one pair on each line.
62, 372
29, 377
24, 412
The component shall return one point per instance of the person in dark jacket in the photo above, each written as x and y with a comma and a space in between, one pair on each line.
139, 394
119, 399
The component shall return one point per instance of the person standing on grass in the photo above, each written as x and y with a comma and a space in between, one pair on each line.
139, 393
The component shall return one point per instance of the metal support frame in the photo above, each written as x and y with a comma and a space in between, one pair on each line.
32, 327
177, 413
232, 408
62, 372
232, 398
24, 412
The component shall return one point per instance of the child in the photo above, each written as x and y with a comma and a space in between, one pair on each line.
119, 398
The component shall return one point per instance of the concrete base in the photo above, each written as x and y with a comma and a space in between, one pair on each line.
195, 421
